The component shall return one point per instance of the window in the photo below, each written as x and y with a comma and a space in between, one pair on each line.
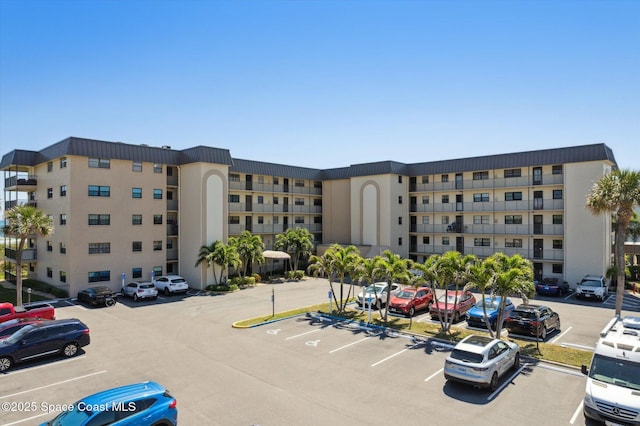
508, 173
557, 244
299, 183
157, 219
445, 199
63, 162
157, 168
513, 196
136, 219
481, 197
261, 199
425, 220
171, 219
169, 244
426, 240
481, 175
157, 245
136, 272
49, 192
99, 191
444, 178
49, 166
399, 179
444, 220
136, 166
99, 219
425, 179
275, 200
63, 248
557, 194
63, 219
317, 184
99, 248
99, 276
481, 220
425, 199
157, 270
276, 220
234, 198
399, 199
49, 246
557, 219
157, 194
233, 177
276, 180
136, 246
169, 195
557, 268
513, 242
100, 163
169, 171
445, 241
399, 241
513, 219
234, 220
399, 220
136, 192
299, 201
49, 272
557, 169
63, 190
482, 242
260, 220
63, 276
299, 219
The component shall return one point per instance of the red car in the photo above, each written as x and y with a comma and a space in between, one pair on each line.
7, 328
446, 304
410, 300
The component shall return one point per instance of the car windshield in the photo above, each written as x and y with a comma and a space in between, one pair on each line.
72, 417
451, 298
146, 285
590, 283
523, 314
406, 294
178, 280
18, 335
617, 372
466, 356
377, 288
488, 303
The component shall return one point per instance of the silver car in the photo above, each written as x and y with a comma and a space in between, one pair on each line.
376, 295
140, 290
170, 284
481, 360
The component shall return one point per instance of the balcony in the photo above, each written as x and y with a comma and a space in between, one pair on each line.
21, 183
28, 255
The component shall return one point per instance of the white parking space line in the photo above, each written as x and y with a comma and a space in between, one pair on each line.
350, 344
506, 382
576, 413
53, 384
434, 375
560, 335
75, 358
573, 345
396, 354
25, 420
303, 334
560, 370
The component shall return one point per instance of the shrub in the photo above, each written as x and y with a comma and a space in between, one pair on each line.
243, 282
222, 287
256, 277
295, 275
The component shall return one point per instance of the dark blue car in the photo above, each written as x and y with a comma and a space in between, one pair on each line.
139, 404
475, 316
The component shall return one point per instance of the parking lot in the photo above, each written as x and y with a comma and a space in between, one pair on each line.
302, 370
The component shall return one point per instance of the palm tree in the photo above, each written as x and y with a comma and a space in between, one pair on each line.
298, 242
225, 256
450, 268
394, 269
617, 193
249, 248
339, 263
480, 277
366, 273
22, 222
510, 276
205, 255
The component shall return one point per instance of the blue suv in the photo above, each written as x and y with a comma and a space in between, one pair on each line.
475, 316
143, 404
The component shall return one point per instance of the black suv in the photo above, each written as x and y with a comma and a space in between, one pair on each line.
533, 320
63, 336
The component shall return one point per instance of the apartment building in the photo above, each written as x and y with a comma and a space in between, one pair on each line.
124, 211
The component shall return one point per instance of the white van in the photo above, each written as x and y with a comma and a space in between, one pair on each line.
612, 393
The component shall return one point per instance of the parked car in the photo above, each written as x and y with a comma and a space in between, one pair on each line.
65, 336
376, 295
476, 315
36, 310
533, 320
447, 305
98, 296
481, 360
410, 300
170, 284
140, 290
7, 328
552, 286
593, 287
146, 403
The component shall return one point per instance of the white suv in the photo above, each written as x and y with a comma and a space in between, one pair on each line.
593, 287
169, 284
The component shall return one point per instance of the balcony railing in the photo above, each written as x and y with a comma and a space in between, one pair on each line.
28, 255
12, 181
487, 183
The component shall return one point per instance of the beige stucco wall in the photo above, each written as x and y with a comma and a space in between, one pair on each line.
336, 211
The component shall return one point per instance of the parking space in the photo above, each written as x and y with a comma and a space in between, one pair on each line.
296, 371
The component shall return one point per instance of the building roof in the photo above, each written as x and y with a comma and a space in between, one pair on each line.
271, 169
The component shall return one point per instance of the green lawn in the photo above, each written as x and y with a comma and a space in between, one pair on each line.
9, 295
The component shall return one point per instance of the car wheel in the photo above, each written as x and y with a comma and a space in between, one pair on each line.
494, 381
70, 349
412, 311
516, 361
543, 333
5, 363
135, 297
122, 293
166, 291
378, 305
558, 326
456, 317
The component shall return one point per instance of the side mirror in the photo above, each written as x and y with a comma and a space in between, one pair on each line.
584, 370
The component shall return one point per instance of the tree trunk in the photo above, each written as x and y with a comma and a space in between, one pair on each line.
621, 235
21, 244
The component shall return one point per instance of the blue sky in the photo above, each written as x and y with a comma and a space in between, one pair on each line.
323, 83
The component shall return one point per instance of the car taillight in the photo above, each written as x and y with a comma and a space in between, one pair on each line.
85, 331
173, 403
535, 323
140, 290
480, 368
